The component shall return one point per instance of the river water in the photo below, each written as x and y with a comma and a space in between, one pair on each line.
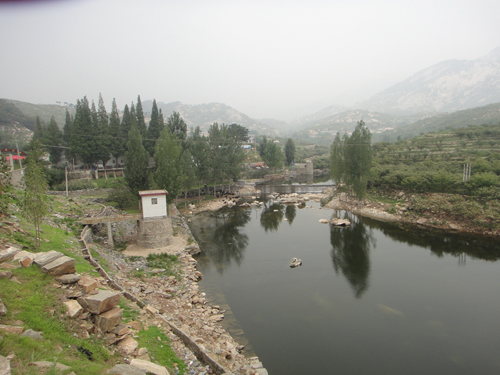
369, 299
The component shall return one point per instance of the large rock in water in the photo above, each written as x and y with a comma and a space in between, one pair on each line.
295, 262
340, 222
101, 302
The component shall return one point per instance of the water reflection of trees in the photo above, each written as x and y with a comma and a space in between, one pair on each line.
223, 242
440, 242
290, 213
272, 215
351, 253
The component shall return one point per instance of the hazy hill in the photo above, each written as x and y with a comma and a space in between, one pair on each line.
325, 112
45, 111
489, 114
204, 115
324, 130
445, 87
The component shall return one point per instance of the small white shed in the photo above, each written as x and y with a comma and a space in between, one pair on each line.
154, 203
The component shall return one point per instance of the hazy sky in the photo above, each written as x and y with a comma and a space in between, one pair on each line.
272, 58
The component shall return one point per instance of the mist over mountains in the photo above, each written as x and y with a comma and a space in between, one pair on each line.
448, 86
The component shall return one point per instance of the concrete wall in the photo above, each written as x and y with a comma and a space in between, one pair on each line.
154, 232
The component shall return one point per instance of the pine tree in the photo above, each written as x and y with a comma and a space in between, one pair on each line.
115, 135
141, 123
177, 126
67, 128
83, 134
54, 138
126, 124
155, 127
39, 130
168, 174
35, 202
104, 132
137, 173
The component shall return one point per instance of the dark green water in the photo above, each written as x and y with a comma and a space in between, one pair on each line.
369, 299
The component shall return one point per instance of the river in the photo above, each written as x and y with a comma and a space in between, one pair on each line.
369, 299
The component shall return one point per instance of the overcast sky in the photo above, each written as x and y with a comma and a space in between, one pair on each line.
272, 58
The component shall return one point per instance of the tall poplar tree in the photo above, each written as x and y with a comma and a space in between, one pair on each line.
168, 174
54, 138
155, 127
67, 128
177, 126
141, 123
289, 151
137, 173
117, 141
104, 132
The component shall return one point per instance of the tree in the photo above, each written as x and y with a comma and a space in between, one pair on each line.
200, 151
261, 147
104, 132
141, 124
35, 201
54, 138
39, 130
273, 156
67, 128
188, 171
177, 126
4, 184
168, 174
289, 151
238, 132
117, 145
155, 127
84, 134
137, 173
351, 159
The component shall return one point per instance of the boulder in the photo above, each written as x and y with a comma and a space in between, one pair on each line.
33, 334
295, 262
103, 301
3, 309
422, 221
323, 221
340, 222
11, 329
47, 364
41, 259
87, 283
4, 366
128, 345
8, 254
5, 274
149, 367
25, 258
109, 319
126, 370
60, 266
69, 278
74, 308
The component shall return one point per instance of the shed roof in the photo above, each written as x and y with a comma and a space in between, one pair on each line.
145, 193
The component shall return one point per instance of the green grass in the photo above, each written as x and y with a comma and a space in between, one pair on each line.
159, 349
164, 261
36, 303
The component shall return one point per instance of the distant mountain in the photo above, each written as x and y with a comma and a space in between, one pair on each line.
325, 129
445, 87
44, 111
325, 112
204, 115
489, 114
